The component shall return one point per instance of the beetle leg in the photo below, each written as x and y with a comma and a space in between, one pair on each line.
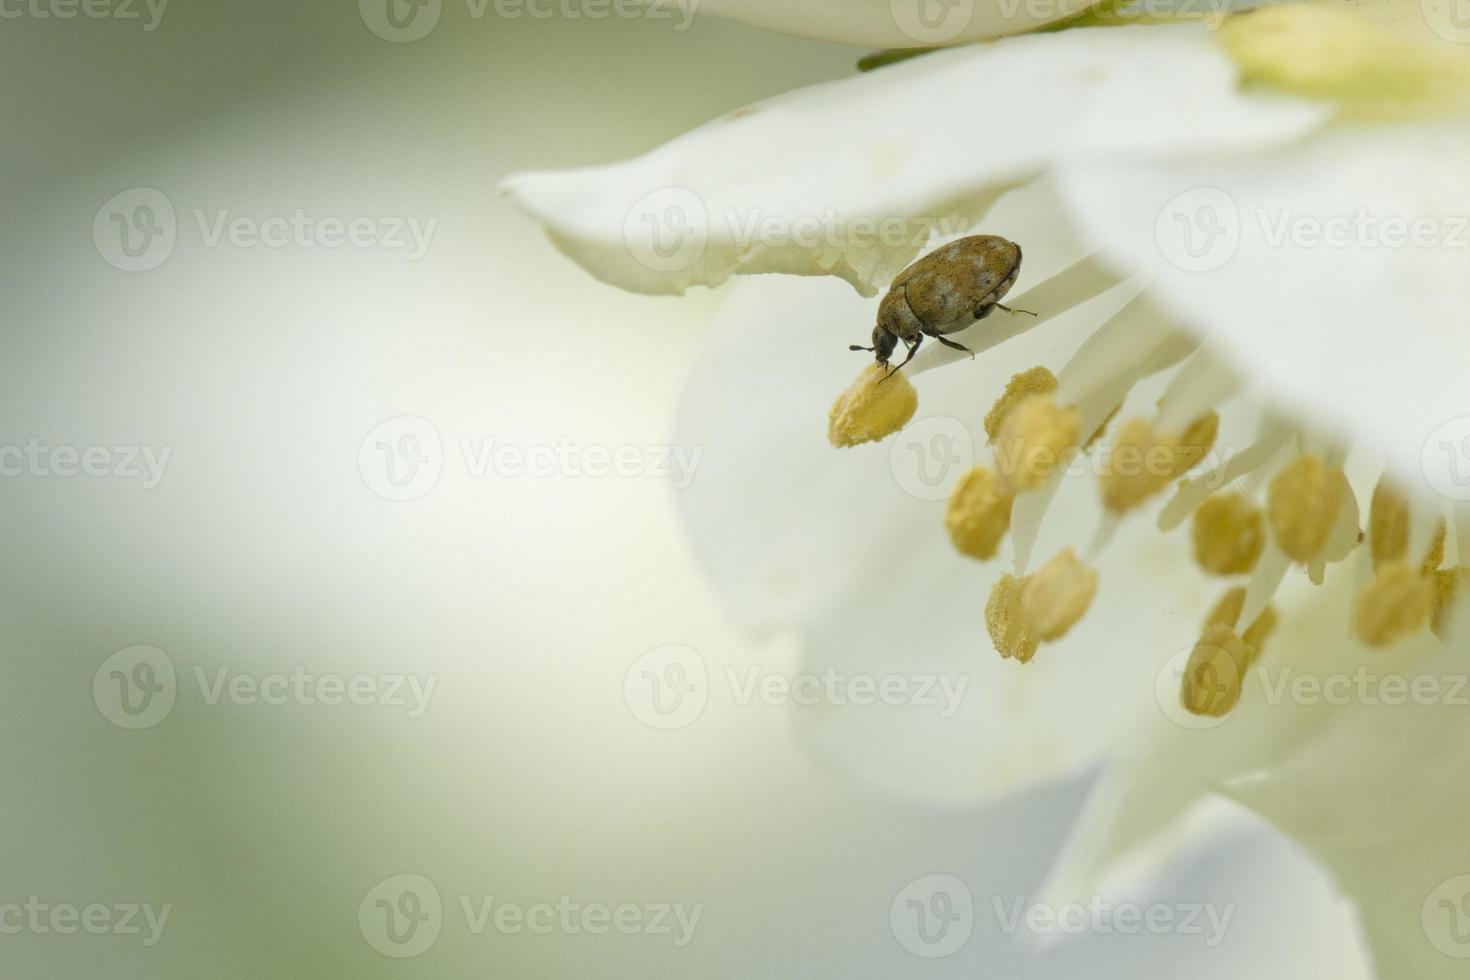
1009, 310
912, 351
954, 344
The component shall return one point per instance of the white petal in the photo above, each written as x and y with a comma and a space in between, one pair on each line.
1366, 332
894, 23
1364, 773
848, 178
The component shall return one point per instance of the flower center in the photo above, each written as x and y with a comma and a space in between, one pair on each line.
1326, 50
1284, 500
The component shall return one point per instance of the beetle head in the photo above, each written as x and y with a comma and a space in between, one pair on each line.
883, 344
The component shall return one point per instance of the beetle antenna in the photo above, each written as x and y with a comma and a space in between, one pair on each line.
1009, 310
860, 347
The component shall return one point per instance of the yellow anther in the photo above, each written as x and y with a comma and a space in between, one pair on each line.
1448, 584
1398, 602
1033, 440
1003, 620
1215, 674
1196, 442
1302, 503
1037, 381
874, 406
1228, 534
1057, 596
978, 515
1388, 523
1322, 50
1143, 462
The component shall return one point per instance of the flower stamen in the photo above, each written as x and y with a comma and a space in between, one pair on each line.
1007, 627
1033, 440
1399, 602
1057, 596
978, 514
1303, 501
1229, 535
876, 405
1036, 381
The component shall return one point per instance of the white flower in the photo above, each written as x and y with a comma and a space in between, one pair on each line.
1295, 249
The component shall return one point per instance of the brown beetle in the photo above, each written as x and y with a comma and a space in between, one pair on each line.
945, 292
